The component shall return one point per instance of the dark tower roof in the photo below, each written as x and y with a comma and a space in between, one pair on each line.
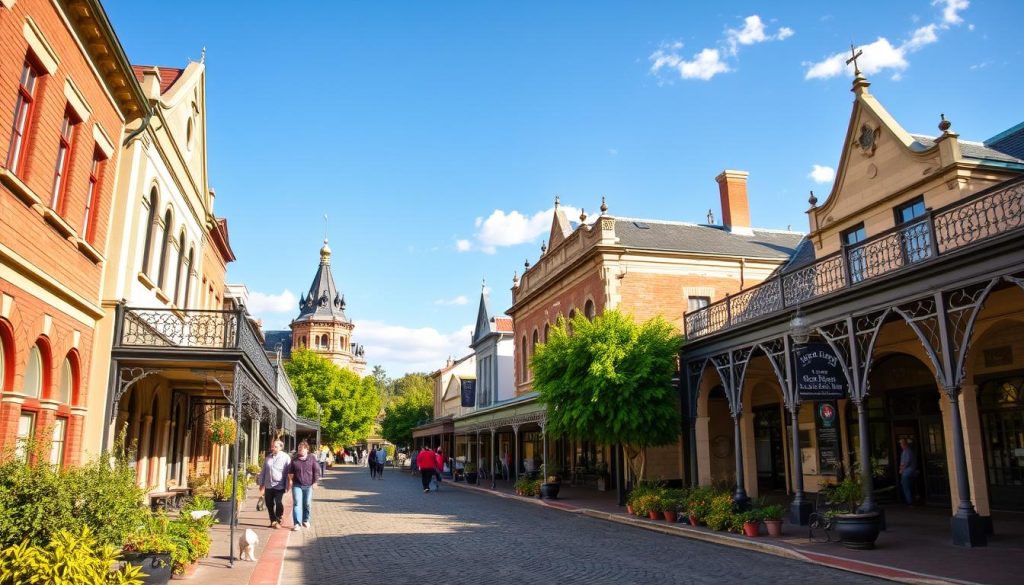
323, 301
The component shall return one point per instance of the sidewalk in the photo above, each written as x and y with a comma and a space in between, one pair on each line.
914, 549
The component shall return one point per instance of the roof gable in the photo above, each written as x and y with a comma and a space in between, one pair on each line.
483, 321
561, 228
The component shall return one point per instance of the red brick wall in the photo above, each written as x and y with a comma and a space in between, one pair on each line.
645, 295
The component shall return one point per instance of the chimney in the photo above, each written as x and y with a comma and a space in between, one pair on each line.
732, 186
151, 82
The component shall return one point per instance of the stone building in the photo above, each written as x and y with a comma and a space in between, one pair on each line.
909, 286
322, 325
67, 93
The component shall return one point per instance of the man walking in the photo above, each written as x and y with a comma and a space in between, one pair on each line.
305, 472
372, 462
908, 470
426, 461
273, 481
382, 458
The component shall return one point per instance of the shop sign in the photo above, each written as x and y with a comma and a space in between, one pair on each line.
826, 426
468, 392
819, 374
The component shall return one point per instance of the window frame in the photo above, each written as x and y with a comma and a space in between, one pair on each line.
92, 194
854, 257
21, 442
24, 110
65, 158
701, 302
59, 444
911, 204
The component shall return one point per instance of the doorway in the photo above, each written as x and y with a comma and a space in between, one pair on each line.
768, 449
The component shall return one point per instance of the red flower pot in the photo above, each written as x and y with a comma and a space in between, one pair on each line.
653, 515
693, 520
750, 528
669, 516
629, 509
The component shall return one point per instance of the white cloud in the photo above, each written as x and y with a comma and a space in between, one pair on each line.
459, 300
260, 303
709, 61
951, 9
501, 229
822, 174
463, 245
882, 55
403, 349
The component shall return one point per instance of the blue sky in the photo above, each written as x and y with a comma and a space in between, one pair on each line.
436, 134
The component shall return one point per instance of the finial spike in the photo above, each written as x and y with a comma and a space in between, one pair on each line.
583, 216
543, 247
944, 124
325, 228
483, 285
202, 56
556, 201
812, 200
604, 206
711, 217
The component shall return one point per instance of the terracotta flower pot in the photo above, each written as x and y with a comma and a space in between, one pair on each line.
774, 527
629, 509
693, 520
750, 528
653, 515
669, 516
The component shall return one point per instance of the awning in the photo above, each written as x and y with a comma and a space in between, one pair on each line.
520, 410
441, 426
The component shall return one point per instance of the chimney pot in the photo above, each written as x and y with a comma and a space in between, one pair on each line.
732, 187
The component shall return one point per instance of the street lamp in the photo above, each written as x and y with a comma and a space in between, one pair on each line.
798, 328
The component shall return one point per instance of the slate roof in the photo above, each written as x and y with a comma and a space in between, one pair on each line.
323, 302
710, 239
272, 338
803, 256
168, 75
1009, 141
967, 148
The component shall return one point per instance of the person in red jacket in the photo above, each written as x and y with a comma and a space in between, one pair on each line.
426, 462
438, 466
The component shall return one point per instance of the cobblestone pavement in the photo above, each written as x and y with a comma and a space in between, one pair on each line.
390, 532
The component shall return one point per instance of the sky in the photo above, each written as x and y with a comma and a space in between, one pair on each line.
435, 135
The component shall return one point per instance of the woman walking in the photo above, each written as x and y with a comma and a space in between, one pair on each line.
373, 462
305, 472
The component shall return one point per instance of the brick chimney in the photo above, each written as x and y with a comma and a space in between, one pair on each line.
732, 186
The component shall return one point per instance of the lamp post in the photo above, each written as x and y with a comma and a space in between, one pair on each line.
319, 421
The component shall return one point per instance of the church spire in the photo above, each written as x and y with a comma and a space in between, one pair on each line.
324, 300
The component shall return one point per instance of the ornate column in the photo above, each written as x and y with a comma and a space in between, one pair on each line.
968, 527
732, 367
515, 439
142, 471
494, 476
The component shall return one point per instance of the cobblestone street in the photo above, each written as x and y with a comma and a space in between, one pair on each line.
391, 532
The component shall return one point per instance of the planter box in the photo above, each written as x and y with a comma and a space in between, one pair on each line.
858, 531
156, 566
222, 511
550, 490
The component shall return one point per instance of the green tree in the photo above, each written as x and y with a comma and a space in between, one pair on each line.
382, 383
350, 403
414, 405
610, 381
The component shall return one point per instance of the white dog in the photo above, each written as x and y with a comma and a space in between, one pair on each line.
247, 545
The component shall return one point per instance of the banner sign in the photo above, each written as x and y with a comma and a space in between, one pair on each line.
819, 375
826, 419
468, 393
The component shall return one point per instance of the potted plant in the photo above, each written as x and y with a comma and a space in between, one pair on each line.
524, 486
471, 473
671, 502
698, 505
151, 549
223, 431
537, 483
655, 505
222, 498
857, 530
750, 521
772, 516
552, 482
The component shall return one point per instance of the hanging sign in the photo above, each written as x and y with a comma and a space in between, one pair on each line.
826, 419
819, 374
468, 392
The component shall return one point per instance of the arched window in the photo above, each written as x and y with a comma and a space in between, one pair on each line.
6, 357
150, 232
66, 382
547, 328
179, 273
188, 276
588, 310
522, 360
533, 346
34, 371
165, 246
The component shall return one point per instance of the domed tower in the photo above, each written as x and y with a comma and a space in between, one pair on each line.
322, 325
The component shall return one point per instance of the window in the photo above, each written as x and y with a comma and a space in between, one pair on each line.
3, 361
588, 310
92, 195
150, 231
696, 303
63, 167
188, 276
26, 428
547, 327
22, 116
60, 427
522, 360
179, 275
66, 382
165, 245
34, 372
915, 236
855, 257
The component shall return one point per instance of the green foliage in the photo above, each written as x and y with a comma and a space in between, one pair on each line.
846, 493
773, 512
524, 486
222, 491
350, 403
186, 540
223, 431
610, 380
406, 411
70, 558
38, 500
720, 514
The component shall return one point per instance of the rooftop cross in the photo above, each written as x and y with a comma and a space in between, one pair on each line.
854, 55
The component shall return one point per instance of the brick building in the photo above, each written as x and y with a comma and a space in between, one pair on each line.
68, 93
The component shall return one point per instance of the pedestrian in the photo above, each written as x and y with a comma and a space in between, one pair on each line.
382, 458
305, 473
322, 460
273, 481
439, 466
908, 471
373, 462
412, 462
426, 461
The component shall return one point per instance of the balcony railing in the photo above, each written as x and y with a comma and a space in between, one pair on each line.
955, 226
195, 329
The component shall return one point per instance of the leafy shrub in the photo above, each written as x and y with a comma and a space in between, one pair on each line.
222, 491
698, 502
720, 515
773, 512
223, 431
68, 559
524, 485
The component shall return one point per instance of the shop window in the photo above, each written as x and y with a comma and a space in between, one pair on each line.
63, 166
26, 428
23, 106
60, 427
34, 373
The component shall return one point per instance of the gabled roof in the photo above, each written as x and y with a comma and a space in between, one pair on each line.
704, 239
487, 325
502, 324
324, 301
219, 235
168, 75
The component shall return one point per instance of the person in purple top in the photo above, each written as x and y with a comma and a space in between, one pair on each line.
305, 472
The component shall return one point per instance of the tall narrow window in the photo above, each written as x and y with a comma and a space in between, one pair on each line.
150, 231
179, 273
589, 310
60, 427
165, 248
92, 195
22, 116
522, 360
855, 257
3, 361
188, 276
34, 373
26, 428
915, 235
63, 167
66, 382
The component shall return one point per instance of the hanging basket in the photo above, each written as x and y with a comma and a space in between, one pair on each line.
223, 431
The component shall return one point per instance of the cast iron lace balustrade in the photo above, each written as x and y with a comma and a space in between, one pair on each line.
963, 223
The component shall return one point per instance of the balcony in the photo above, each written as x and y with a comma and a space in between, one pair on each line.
938, 233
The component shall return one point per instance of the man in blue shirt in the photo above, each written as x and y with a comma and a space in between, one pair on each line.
382, 457
908, 470
273, 481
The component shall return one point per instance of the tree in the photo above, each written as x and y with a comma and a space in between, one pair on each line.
382, 383
610, 381
350, 403
413, 406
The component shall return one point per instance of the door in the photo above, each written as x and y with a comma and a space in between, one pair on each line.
768, 447
928, 442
